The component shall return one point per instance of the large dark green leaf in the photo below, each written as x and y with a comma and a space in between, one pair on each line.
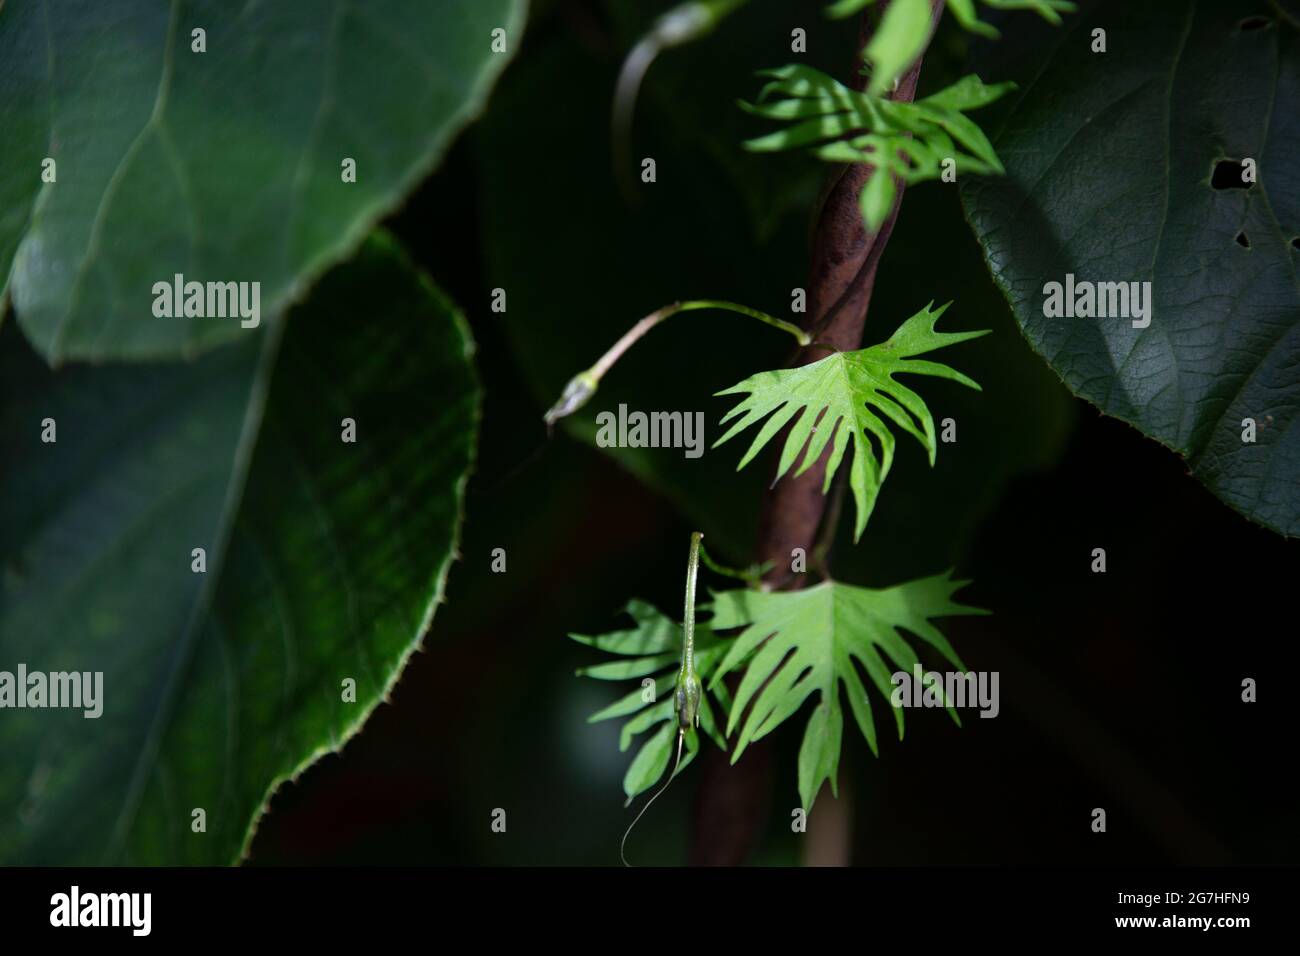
223, 165
325, 564
1111, 162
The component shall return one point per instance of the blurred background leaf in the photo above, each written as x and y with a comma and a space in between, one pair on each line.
223, 165
325, 564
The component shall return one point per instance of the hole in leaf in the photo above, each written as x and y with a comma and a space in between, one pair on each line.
1227, 175
1254, 23
1242, 240
1295, 243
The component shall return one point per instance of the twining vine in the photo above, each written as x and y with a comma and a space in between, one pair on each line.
780, 649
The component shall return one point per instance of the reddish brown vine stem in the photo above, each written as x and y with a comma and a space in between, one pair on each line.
731, 805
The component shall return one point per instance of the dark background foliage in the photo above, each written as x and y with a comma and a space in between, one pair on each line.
1120, 690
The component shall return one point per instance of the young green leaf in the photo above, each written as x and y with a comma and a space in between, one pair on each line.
653, 645
895, 44
846, 8
964, 11
907, 141
803, 642
652, 760
1049, 10
843, 398
968, 17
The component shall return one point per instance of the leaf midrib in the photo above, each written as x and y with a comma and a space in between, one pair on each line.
258, 392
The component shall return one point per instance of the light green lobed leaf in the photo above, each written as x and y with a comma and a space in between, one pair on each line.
841, 399
899, 38
655, 643
801, 643
904, 141
1049, 10
966, 14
